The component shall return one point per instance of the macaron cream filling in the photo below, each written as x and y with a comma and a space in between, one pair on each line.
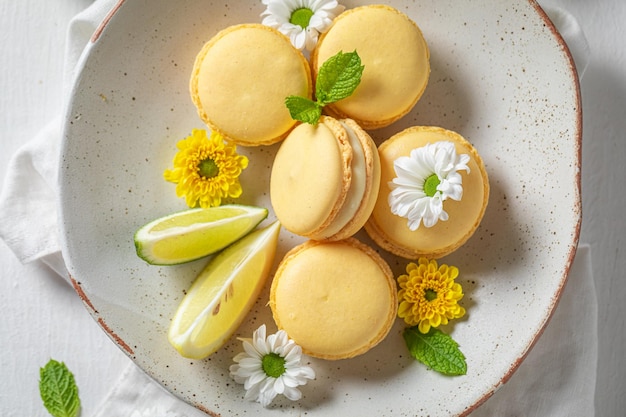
356, 192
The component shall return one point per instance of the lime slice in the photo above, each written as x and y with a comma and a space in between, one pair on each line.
192, 234
223, 293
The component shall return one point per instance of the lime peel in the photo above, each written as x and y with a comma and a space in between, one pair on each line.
192, 234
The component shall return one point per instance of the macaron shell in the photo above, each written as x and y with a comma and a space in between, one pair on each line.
311, 176
395, 58
371, 173
240, 80
391, 232
336, 300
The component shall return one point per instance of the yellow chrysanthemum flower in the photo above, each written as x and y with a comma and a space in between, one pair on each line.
206, 169
428, 295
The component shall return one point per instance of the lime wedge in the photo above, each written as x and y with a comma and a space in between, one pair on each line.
192, 234
223, 294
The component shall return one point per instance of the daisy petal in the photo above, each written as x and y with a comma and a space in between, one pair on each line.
408, 197
279, 385
249, 371
292, 393
278, 14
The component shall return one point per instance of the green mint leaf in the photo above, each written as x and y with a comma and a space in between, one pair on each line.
58, 390
303, 109
338, 77
436, 350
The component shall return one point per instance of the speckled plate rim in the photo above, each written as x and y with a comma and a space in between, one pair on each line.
572, 246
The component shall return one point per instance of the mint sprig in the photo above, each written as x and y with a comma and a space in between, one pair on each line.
337, 79
304, 109
58, 390
436, 350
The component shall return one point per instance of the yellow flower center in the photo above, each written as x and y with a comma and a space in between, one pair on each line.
273, 364
430, 295
207, 168
430, 185
301, 17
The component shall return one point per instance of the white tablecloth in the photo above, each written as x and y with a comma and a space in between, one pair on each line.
43, 317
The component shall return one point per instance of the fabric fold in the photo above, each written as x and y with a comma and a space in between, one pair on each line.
538, 387
573, 34
28, 199
28, 223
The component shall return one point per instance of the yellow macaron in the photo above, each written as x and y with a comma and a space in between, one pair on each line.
336, 300
396, 63
324, 179
392, 232
240, 80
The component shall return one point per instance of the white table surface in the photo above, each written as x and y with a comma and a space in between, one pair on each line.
52, 319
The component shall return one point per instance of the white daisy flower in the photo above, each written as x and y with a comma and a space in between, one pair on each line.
424, 180
270, 366
302, 21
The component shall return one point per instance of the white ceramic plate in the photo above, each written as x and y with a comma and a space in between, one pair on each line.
501, 76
